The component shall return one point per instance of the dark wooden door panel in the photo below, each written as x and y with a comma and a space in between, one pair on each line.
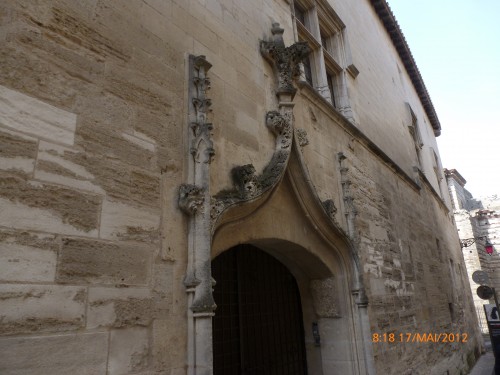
258, 326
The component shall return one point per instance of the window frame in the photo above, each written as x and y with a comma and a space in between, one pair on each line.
330, 58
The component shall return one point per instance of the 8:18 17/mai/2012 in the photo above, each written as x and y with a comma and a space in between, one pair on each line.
419, 337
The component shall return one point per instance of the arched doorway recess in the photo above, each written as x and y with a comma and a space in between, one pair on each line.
258, 327
321, 263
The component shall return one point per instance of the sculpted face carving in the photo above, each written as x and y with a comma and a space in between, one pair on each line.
191, 198
245, 180
281, 126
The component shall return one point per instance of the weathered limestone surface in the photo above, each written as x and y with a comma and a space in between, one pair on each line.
55, 354
111, 307
99, 262
28, 257
35, 308
85, 104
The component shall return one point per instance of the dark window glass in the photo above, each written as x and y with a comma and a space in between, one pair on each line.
300, 13
330, 79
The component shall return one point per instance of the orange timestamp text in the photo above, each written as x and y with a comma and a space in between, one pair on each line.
418, 337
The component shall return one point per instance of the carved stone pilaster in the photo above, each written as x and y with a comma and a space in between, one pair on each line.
201, 142
194, 201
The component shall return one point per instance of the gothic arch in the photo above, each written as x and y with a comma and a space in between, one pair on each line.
322, 267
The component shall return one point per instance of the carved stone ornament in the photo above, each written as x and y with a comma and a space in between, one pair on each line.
201, 142
191, 198
247, 184
302, 137
330, 209
285, 59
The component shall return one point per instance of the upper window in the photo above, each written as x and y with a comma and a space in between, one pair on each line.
325, 68
438, 170
414, 130
300, 14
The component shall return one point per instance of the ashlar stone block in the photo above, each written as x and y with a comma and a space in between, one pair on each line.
54, 355
40, 308
33, 205
129, 351
24, 113
119, 307
123, 221
53, 166
83, 261
17, 151
27, 257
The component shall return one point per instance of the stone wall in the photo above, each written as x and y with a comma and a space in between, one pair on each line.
409, 250
87, 107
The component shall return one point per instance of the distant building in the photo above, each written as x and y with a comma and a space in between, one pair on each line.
478, 223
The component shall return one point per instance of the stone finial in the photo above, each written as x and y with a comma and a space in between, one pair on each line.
284, 59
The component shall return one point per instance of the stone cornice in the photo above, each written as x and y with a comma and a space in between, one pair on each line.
388, 19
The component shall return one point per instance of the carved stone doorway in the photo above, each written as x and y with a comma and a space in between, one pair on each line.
258, 324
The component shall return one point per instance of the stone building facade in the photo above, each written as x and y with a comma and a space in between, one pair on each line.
275, 158
478, 223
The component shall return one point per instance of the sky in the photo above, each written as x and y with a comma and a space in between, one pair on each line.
456, 45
